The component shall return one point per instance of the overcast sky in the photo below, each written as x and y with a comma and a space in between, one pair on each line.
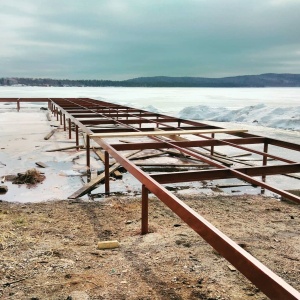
98, 39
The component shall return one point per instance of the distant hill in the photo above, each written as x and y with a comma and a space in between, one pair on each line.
263, 80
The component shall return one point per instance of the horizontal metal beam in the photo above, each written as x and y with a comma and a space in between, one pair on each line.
189, 144
162, 132
283, 144
120, 129
224, 173
113, 114
132, 121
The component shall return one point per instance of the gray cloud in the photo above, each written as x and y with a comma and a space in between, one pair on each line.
123, 39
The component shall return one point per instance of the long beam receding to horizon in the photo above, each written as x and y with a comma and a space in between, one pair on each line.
107, 122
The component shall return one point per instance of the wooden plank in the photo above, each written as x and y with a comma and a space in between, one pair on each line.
162, 132
89, 186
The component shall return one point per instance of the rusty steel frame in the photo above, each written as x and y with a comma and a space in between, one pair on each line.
84, 112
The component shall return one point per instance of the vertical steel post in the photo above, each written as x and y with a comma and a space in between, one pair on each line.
106, 165
140, 119
77, 137
64, 119
265, 158
145, 206
60, 117
88, 153
70, 128
212, 147
18, 105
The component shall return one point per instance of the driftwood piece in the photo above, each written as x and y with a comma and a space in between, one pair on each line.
89, 186
41, 164
223, 186
65, 148
240, 155
48, 136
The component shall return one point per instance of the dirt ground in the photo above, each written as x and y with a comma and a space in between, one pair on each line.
49, 250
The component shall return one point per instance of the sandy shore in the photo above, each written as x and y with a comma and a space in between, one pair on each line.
49, 250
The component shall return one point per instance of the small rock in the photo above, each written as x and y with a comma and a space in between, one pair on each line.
78, 295
3, 189
128, 222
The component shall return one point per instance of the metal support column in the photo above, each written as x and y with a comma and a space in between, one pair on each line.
106, 165
265, 157
70, 128
212, 147
18, 105
64, 119
77, 137
140, 124
88, 153
145, 206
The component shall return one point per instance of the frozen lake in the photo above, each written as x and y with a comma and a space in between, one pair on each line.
170, 101
257, 107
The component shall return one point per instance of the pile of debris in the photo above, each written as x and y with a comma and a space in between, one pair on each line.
31, 176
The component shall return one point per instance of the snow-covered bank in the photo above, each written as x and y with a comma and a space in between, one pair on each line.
261, 114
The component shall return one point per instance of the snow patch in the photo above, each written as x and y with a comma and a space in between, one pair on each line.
279, 117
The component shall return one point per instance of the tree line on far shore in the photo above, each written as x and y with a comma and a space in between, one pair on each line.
263, 80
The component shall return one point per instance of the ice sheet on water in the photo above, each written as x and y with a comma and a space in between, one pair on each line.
260, 114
